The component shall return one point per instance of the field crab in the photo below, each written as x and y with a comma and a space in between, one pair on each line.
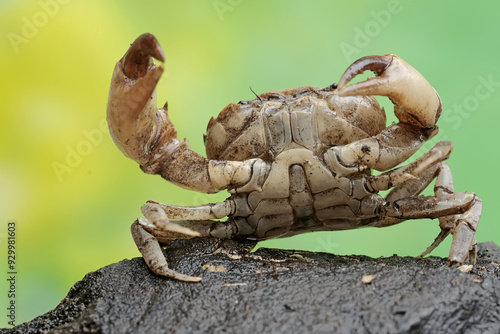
294, 160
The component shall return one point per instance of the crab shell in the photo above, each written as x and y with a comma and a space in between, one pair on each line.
304, 117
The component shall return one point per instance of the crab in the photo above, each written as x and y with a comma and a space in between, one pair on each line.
293, 160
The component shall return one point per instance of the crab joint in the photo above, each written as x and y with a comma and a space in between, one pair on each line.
244, 176
226, 173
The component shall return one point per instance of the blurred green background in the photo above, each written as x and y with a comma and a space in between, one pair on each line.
73, 195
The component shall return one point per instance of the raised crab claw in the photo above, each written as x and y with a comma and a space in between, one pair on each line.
294, 160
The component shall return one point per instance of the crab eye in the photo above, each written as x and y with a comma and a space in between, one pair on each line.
244, 102
333, 86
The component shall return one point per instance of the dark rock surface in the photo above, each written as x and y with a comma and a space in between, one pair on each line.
274, 291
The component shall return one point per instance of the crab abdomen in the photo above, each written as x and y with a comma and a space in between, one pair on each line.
305, 117
301, 194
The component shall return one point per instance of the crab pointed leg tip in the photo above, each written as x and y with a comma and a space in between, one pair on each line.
167, 272
194, 233
192, 279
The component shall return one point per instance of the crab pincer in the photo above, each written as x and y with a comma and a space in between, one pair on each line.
146, 134
415, 100
132, 98
417, 105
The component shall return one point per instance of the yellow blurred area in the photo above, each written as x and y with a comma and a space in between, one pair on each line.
73, 195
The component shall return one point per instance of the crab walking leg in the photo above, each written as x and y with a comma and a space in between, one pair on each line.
196, 221
146, 134
444, 185
463, 228
411, 187
200, 212
152, 253
464, 244
429, 206
149, 237
160, 214
402, 203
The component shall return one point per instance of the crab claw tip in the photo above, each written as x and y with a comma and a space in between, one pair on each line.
136, 60
150, 46
377, 64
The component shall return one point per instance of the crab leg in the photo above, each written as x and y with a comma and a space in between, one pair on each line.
464, 244
152, 253
404, 203
462, 227
200, 226
208, 211
416, 104
149, 234
160, 214
146, 134
429, 206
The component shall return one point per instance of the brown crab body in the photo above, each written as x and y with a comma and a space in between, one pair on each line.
303, 117
293, 160
290, 130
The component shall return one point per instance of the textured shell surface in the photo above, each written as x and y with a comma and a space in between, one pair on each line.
304, 117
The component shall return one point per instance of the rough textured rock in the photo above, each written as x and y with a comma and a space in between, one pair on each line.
281, 292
